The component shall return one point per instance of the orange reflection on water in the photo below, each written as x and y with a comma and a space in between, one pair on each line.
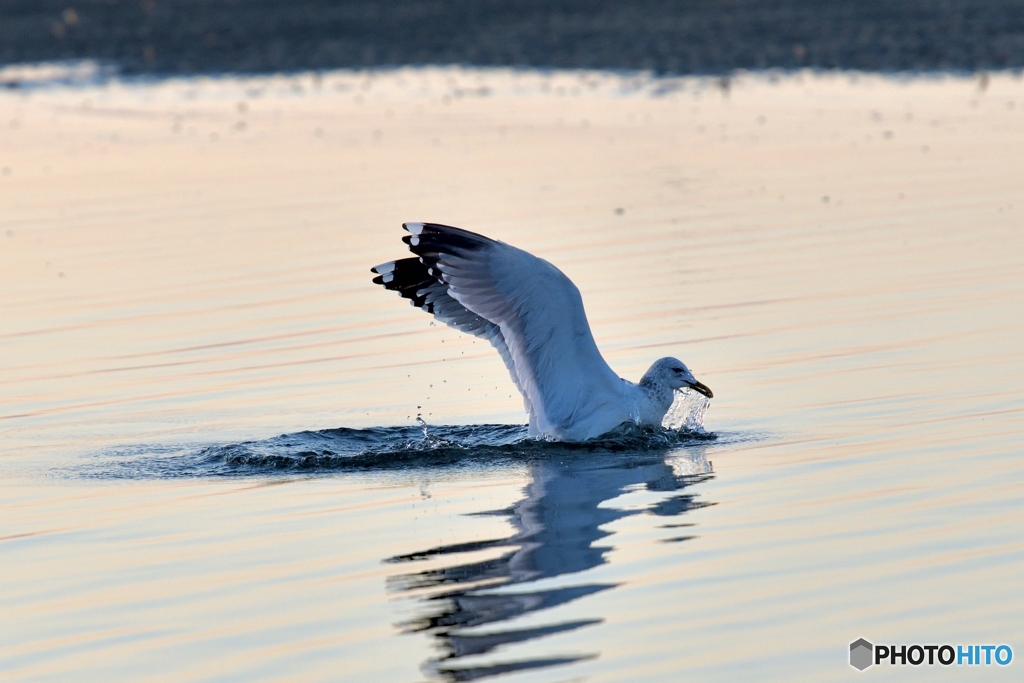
838, 256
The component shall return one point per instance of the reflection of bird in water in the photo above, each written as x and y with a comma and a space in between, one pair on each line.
558, 526
533, 315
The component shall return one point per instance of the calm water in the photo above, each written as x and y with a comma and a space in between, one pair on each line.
211, 464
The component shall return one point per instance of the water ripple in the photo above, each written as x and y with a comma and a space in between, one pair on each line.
377, 448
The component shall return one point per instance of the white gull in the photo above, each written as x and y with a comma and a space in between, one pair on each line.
533, 315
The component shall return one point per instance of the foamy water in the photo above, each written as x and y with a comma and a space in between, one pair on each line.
211, 463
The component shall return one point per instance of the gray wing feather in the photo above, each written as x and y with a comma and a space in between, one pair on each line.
528, 309
413, 280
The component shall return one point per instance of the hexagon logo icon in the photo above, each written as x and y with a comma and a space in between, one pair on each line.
861, 654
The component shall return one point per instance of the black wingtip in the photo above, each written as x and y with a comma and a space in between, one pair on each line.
418, 278
431, 240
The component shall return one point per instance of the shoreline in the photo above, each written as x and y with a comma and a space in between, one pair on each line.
87, 73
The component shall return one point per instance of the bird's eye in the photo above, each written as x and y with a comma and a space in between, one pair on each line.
678, 371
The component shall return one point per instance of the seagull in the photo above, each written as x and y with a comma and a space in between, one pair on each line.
533, 316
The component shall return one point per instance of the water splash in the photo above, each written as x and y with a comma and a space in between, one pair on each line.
686, 414
431, 440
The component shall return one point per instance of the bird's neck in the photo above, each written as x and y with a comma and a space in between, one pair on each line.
652, 402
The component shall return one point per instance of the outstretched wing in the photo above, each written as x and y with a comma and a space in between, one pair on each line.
528, 309
414, 280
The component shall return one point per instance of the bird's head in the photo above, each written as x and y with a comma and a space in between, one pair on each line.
674, 374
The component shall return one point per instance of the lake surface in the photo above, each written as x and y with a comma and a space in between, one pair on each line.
212, 468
